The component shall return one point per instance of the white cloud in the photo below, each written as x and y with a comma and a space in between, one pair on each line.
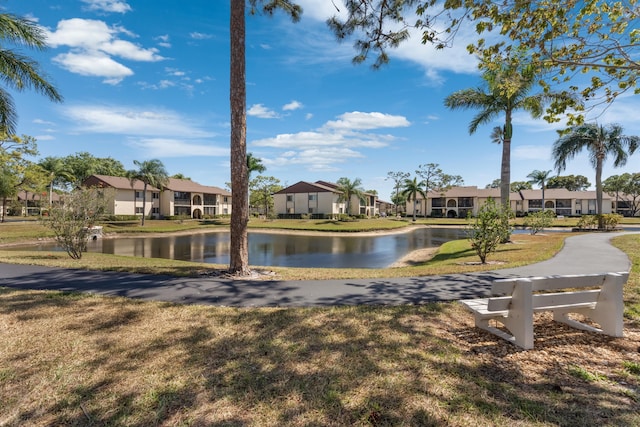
293, 105
357, 120
166, 147
316, 159
134, 122
308, 116
322, 10
320, 139
200, 36
43, 122
116, 6
45, 138
94, 64
335, 142
94, 46
262, 112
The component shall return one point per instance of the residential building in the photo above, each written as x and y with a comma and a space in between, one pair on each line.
564, 202
180, 197
458, 202
188, 198
320, 199
28, 203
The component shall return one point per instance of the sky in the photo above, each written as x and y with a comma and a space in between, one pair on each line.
148, 80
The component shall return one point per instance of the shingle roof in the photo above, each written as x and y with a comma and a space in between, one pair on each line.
173, 184
115, 182
307, 187
193, 187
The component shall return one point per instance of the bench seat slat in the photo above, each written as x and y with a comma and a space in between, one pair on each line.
574, 298
549, 283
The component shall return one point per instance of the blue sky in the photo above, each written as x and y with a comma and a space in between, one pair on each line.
150, 79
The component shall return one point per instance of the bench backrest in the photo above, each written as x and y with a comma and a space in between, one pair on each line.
577, 289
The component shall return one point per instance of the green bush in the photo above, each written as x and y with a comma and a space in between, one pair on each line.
588, 222
538, 220
611, 221
488, 229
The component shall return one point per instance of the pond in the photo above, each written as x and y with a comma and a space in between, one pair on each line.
276, 249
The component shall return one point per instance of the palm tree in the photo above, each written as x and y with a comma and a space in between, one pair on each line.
411, 189
506, 91
57, 173
348, 189
600, 141
539, 178
150, 172
254, 164
18, 71
239, 245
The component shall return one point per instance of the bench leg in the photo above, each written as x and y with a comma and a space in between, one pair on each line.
608, 312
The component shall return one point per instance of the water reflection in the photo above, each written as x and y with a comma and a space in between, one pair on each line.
294, 250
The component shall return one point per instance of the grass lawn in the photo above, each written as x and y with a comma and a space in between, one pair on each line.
77, 360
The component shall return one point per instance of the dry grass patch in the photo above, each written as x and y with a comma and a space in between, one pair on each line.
70, 359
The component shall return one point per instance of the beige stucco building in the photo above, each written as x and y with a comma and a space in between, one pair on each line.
320, 199
457, 202
180, 197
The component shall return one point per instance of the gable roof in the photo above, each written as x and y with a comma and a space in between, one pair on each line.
307, 187
28, 195
118, 182
173, 184
189, 186
471, 191
561, 193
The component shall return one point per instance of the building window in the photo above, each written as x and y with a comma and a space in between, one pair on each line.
139, 211
563, 203
138, 194
310, 210
465, 202
437, 202
289, 198
225, 211
155, 195
225, 199
535, 204
312, 197
155, 211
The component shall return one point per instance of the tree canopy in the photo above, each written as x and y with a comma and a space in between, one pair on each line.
18, 71
590, 45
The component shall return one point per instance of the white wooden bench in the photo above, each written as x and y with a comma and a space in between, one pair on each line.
513, 302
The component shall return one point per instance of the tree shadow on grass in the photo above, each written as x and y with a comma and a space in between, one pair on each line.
138, 364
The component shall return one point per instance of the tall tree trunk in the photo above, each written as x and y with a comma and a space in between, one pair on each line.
505, 172
239, 252
144, 202
599, 192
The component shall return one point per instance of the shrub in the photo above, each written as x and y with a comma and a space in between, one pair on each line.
71, 221
488, 228
611, 221
538, 220
588, 221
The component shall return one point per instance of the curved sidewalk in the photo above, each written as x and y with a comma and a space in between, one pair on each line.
586, 253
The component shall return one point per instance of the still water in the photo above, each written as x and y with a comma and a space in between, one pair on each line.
266, 249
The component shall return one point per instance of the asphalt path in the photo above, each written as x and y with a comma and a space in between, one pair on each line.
582, 254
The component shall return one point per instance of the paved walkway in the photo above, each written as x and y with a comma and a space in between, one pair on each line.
587, 253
